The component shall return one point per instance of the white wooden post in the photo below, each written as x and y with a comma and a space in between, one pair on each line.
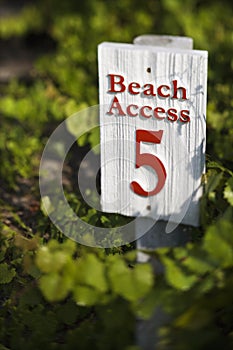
152, 118
162, 75
156, 236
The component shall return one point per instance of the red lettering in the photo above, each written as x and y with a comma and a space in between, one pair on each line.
158, 110
172, 116
149, 91
184, 116
116, 104
175, 90
129, 112
142, 112
113, 82
159, 90
134, 86
147, 159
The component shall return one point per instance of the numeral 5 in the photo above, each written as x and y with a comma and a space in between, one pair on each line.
150, 160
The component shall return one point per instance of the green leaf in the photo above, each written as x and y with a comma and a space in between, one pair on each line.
91, 272
198, 264
131, 255
131, 284
6, 273
228, 191
194, 259
54, 287
218, 242
86, 296
215, 165
68, 246
48, 261
176, 276
213, 180
120, 278
143, 278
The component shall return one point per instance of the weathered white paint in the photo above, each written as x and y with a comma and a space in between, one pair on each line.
169, 41
183, 144
156, 236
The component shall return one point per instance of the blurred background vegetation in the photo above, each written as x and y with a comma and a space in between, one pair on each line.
54, 292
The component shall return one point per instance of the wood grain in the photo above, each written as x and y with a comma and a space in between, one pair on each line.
182, 150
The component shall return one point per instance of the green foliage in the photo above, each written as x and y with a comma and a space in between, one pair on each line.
228, 191
30, 19
57, 294
208, 267
6, 274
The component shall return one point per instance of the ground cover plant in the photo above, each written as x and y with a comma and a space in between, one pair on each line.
56, 293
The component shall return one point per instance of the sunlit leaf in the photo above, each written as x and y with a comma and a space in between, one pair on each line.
54, 287
131, 284
91, 272
218, 242
86, 296
48, 261
176, 276
228, 191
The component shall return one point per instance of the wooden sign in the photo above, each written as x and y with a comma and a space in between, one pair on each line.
153, 130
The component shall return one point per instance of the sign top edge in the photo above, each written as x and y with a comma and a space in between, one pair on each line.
152, 48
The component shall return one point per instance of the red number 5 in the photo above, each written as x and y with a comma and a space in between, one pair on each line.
150, 160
